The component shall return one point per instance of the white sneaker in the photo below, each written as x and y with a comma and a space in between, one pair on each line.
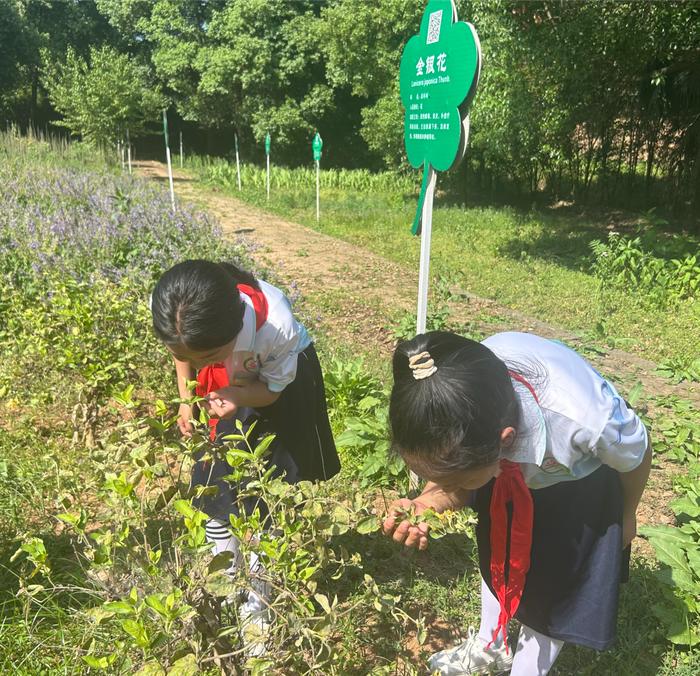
254, 628
471, 657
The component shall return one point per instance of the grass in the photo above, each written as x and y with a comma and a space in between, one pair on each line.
537, 262
441, 584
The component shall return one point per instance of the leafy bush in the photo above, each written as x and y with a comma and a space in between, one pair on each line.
151, 585
623, 263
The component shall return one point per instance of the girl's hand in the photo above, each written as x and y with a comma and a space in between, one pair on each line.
184, 418
220, 403
401, 530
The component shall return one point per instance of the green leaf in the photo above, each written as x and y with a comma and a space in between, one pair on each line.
670, 550
368, 524
322, 600
185, 508
99, 662
119, 607
185, 666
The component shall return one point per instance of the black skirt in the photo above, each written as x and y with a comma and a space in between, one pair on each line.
303, 448
576, 563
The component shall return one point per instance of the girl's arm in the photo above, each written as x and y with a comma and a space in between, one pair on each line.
254, 393
184, 372
633, 484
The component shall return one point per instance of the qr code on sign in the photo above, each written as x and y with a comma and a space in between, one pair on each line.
434, 23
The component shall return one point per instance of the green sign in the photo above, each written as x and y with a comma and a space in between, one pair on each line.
317, 146
438, 75
267, 144
165, 127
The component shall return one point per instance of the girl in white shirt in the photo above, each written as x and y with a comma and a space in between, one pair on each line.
254, 362
554, 462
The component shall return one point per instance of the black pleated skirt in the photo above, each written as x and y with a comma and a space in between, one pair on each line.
303, 448
577, 562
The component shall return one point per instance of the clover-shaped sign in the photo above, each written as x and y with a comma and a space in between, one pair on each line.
438, 76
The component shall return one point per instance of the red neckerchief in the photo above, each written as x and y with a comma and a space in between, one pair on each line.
510, 487
214, 376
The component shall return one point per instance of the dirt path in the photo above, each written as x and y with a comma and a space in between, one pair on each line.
357, 294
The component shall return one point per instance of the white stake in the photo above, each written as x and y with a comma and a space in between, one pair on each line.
170, 177
120, 150
181, 156
318, 191
268, 177
238, 165
128, 149
426, 232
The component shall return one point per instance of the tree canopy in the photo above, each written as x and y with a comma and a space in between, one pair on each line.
576, 99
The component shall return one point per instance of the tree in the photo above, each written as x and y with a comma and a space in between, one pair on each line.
102, 97
15, 50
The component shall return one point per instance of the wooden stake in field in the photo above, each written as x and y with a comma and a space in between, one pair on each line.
317, 147
167, 157
181, 153
120, 152
128, 149
267, 156
238, 163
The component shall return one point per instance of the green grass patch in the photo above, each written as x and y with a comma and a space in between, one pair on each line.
539, 263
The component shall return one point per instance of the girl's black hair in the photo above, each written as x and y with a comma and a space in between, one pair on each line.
453, 419
197, 304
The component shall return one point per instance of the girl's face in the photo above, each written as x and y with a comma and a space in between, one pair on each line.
469, 479
197, 359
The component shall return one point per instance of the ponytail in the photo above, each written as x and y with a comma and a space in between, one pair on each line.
240, 276
451, 419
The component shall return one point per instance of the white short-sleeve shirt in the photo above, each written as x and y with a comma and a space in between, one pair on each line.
578, 421
269, 353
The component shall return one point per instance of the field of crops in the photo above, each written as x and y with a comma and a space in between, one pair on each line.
103, 561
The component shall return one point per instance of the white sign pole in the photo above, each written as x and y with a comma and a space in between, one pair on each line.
268, 177
426, 232
318, 190
238, 165
170, 177
128, 149
181, 156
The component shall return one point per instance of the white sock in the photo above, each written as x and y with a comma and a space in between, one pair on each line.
259, 595
535, 654
220, 536
490, 610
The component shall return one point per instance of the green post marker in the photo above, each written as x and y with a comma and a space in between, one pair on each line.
167, 157
317, 147
438, 76
238, 163
267, 155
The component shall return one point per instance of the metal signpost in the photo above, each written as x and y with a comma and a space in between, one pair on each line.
317, 147
167, 156
238, 163
438, 76
267, 155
